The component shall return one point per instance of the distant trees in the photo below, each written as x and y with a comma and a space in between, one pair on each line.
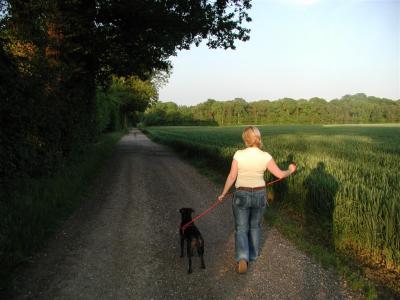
121, 103
168, 113
358, 108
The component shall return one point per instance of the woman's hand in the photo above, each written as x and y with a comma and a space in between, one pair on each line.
292, 168
221, 197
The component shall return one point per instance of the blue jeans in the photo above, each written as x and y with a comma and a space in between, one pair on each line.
248, 210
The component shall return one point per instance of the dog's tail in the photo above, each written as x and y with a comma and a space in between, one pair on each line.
197, 244
193, 245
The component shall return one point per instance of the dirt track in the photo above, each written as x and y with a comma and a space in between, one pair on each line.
123, 242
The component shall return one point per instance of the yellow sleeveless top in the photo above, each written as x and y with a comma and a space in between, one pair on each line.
252, 163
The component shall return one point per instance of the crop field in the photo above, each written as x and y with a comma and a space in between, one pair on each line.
348, 176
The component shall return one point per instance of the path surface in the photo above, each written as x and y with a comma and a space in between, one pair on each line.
123, 242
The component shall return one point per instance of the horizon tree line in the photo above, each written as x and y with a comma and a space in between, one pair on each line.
357, 108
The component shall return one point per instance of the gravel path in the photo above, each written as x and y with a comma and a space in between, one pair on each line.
123, 242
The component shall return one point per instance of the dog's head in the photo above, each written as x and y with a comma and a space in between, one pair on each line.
186, 213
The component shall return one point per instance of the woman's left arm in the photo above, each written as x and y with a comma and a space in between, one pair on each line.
230, 180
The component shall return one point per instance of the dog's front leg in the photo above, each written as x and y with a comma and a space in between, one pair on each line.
182, 245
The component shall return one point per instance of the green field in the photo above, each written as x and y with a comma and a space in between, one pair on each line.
347, 180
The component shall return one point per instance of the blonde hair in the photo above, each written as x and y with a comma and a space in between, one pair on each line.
252, 137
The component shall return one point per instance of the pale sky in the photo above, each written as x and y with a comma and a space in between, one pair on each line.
298, 49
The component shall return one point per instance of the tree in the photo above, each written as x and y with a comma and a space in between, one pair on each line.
134, 96
239, 109
123, 102
134, 37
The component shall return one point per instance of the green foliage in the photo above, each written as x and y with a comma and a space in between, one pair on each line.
357, 108
121, 104
50, 100
168, 113
347, 179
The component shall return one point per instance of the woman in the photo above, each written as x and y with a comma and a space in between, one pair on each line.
249, 201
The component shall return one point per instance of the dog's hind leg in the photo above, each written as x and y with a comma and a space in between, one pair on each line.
200, 251
189, 254
203, 265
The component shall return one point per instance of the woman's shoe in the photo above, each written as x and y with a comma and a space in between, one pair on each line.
242, 266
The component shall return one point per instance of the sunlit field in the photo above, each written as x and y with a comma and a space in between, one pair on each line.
348, 177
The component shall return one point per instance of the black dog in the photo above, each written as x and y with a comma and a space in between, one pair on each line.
192, 236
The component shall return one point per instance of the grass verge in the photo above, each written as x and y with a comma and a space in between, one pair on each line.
35, 208
309, 238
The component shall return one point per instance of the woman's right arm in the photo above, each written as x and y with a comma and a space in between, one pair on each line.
277, 172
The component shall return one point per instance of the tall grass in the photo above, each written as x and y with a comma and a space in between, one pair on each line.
348, 178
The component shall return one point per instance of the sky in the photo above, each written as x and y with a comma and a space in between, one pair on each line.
297, 49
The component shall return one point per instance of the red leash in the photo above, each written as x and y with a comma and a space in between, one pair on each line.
202, 214
219, 202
